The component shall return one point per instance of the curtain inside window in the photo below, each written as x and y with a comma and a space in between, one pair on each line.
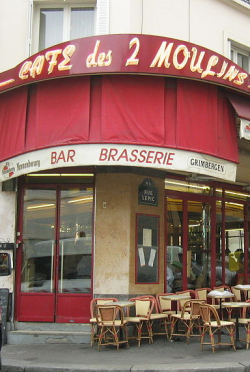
82, 22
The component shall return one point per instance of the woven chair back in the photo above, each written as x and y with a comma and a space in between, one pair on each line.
163, 303
209, 314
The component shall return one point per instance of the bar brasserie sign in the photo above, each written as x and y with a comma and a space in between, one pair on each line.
125, 53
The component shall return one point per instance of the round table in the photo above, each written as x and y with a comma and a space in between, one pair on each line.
243, 288
238, 306
176, 298
220, 295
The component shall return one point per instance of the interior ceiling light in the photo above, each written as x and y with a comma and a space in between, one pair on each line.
61, 175
234, 193
82, 199
199, 177
187, 185
40, 206
236, 204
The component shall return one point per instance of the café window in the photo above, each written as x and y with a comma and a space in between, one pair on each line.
147, 247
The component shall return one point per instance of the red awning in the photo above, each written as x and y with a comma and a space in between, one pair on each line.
241, 105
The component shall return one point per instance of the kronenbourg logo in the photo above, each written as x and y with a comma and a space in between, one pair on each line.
8, 170
244, 129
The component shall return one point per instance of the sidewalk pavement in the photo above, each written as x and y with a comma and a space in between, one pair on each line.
161, 356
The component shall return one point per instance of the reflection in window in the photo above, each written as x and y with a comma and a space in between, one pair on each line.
174, 245
199, 245
229, 243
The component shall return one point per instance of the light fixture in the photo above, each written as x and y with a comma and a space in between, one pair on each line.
236, 204
234, 193
61, 175
82, 199
40, 206
187, 185
199, 177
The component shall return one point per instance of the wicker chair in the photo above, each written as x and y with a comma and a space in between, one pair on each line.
141, 320
245, 321
111, 324
212, 325
159, 320
93, 303
201, 294
164, 305
189, 319
188, 292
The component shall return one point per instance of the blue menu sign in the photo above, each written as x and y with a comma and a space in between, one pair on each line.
148, 193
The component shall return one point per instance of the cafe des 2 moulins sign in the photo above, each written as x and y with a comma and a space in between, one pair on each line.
127, 53
148, 193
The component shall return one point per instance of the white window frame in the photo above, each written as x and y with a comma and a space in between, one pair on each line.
38, 5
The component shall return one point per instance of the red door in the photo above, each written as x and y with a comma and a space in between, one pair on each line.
54, 260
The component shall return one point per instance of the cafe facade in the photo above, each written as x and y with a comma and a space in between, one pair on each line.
123, 154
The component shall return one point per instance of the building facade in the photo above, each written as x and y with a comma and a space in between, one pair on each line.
124, 151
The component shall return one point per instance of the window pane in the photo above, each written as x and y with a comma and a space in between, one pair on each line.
199, 245
51, 27
242, 61
39, 213
174, 244
76, 217
234, 241
82, 22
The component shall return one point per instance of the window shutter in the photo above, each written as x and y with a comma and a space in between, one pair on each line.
102, 17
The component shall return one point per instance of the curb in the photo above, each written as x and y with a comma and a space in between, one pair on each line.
199, 367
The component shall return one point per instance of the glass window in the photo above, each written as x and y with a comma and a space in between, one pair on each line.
82, 22
174, 244
51, 27
49, 264
65, 23
241, 57
199, 244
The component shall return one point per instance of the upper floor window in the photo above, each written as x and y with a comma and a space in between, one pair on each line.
241, 57
64, 23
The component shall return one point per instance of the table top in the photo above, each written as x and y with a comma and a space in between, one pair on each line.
235, 304
243, 287
121, 303
176, 297
217, 294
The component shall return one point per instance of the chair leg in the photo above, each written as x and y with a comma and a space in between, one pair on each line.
139, 331
232, 336
92, 334
211, 334
203, 332
173, 325
247, 335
